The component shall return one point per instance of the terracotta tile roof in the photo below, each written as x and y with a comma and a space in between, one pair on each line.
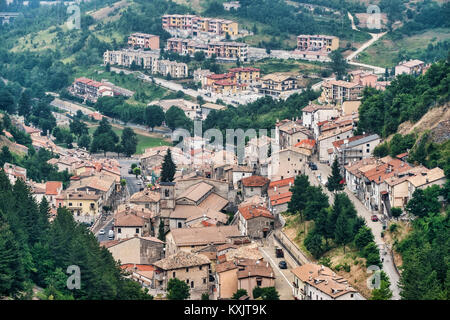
139, 267
182, 259
128, 220
323, 279
314, 107
225, 266
252, 211
204, 236
53, 187
214, 202
264, 271
196, 191
338, 143
306, 143
282, 183
280, 198
430, 176
255, 181
145, 196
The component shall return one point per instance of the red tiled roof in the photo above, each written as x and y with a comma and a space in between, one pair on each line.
243, 69
306, 143
402, 155
139, 267
282, 183
338, 143
52, 187
280, 198
254, 181
252, 211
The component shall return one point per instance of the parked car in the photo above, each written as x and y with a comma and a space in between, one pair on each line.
374, 218
139, 183
101, 232
282, 264
111, 235
279, 252
313, 166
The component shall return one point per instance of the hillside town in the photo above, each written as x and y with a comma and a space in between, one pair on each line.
241, 181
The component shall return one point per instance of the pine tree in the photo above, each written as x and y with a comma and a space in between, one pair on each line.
335, 180
129, 141
343, 230
161, 231
299, 190
11, 267
168, 168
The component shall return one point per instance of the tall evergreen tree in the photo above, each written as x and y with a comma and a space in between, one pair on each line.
129, 141
335, 180
11, 267
299, 190
168, 168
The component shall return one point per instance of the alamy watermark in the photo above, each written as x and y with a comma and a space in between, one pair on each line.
74, 280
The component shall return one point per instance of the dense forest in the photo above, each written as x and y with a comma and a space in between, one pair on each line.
425, 250
34, 251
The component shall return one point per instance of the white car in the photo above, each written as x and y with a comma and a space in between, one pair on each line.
101, 232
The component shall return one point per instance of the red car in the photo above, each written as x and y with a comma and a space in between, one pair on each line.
374, 218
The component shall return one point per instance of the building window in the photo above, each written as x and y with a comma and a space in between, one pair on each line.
179, 225
192, 284
204, 280
259, 282
351, 295
173, 274
166, 193
70, 204
200, 268
137, 230
187, 269
187, 281
119, 230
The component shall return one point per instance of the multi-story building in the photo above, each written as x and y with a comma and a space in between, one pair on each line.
317, 282
192, 268
409, 67
354, 148
338, 91
254, 221
277, 84
316, 47
126, 58
196, 25
146, 60
317, 43
246, 75
84, 205
172, 68
228, 51
225, 51
144, 40
91, 89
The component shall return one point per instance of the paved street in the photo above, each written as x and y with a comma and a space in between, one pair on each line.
388, 265
284, 277
133, 184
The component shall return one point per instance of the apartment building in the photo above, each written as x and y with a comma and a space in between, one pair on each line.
172, 68
91, 89
228, 51
126, 58
276, 84
317, 43
197, 25
410, 67
144, 40
316, 47
254, 221
338, 91
246, 75
186, 46
313, 114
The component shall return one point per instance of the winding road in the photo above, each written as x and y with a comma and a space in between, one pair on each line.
353, 55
